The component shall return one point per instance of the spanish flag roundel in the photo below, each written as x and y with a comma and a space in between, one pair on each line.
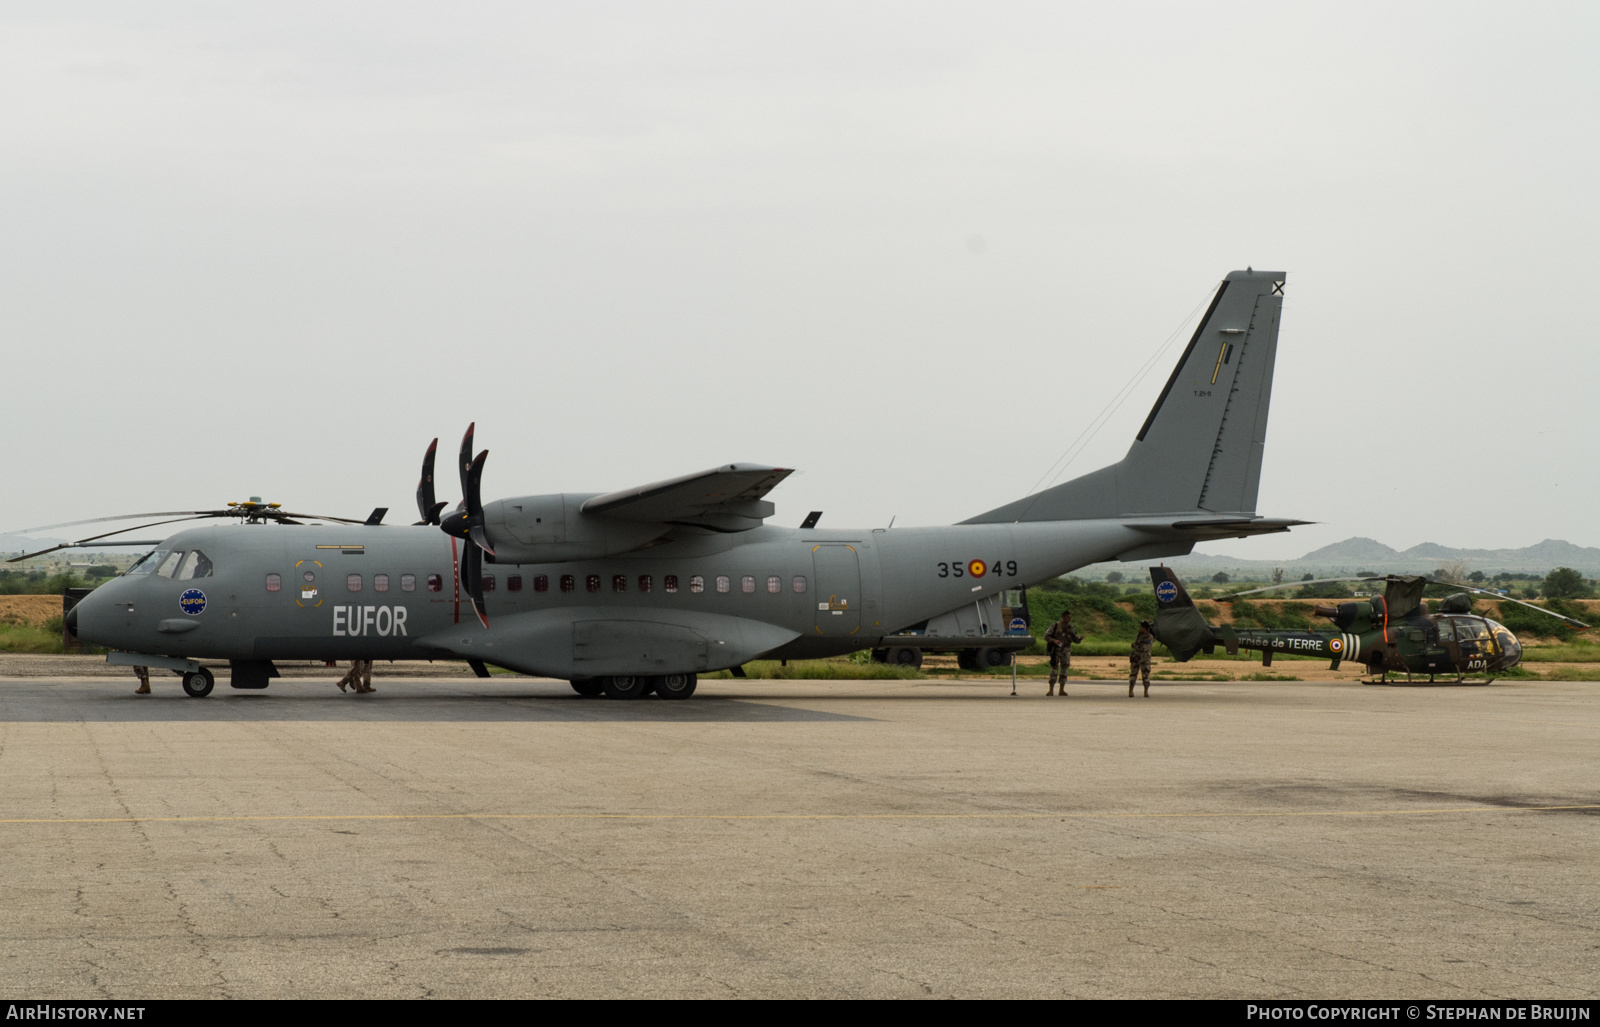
977, 568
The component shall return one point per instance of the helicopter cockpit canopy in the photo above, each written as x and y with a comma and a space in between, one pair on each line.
1480, 637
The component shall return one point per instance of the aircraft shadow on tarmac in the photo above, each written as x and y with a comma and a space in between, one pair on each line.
91, 704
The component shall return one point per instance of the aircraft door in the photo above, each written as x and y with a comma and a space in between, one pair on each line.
837, 568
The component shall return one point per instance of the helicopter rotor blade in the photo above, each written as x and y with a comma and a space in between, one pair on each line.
1580, 625
96, 538
1230, 597
126, 517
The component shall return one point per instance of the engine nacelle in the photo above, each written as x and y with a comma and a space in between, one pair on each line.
550, 529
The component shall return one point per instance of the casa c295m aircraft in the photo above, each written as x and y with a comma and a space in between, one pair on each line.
638, 591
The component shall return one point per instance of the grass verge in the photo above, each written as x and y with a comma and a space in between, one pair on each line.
815, 670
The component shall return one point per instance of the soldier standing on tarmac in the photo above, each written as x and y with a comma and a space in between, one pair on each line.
143, 673
1058, 639
1139, 658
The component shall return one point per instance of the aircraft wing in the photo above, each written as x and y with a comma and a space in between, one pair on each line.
726, 498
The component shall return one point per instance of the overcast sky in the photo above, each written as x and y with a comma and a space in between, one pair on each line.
910, 249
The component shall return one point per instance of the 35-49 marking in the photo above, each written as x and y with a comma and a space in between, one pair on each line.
977, 568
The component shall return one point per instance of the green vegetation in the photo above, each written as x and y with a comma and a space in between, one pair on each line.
1566, 583
16, 637
1271, 617
1575, 652
813, 670
1523, 621
1570, 674
38, 583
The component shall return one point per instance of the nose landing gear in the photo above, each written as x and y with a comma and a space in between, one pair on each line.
199, 683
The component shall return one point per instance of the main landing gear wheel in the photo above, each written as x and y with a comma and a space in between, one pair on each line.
199, 683
586, 687
903, 656
675, 686
988, 659
624, 687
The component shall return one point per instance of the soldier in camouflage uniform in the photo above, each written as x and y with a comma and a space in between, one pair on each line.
359, 677
143, 674
1139, 658
1058, 639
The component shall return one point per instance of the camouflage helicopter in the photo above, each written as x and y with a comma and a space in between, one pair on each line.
1392, 633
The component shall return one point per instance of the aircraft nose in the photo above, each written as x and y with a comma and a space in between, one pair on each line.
82, 618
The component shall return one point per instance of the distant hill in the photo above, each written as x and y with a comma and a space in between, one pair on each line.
1364, 554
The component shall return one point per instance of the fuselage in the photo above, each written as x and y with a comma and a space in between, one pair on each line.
263, 592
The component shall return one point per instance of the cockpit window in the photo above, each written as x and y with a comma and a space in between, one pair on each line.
195, 565
1470, 629
1508, 642
146, 563
1446, 632
169, 564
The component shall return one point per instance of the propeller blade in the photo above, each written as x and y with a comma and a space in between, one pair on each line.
425, 503
472, 571
431, 515
464, 463
475, 527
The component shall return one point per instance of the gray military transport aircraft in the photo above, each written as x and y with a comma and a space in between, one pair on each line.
638, 591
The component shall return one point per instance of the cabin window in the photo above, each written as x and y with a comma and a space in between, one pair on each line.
513, 583
541, 583
195, 565
592, 582
435, 583
644, 582
722, 583
799, 582
747, 584
274, 583
774, 584
488, 582
169, 564
408, 582
670, 582
353, 582
697, 583
568, 583
619, 582
380, 582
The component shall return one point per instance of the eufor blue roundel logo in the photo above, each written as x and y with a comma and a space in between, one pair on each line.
192, 601
1166, 591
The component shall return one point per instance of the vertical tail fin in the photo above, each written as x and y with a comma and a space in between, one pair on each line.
1200, 449
1179, 625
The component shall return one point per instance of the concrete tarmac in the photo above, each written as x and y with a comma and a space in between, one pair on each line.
505, 838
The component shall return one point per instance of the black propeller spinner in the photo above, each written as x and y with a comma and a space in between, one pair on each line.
466, 521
